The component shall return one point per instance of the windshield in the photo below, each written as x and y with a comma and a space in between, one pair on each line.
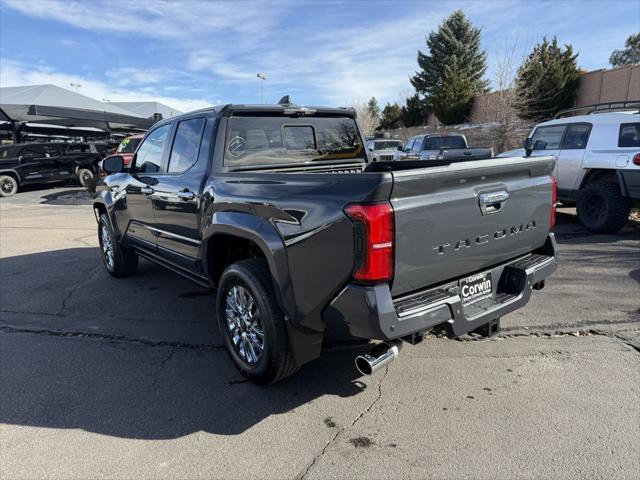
436, 143
264, 141
128, 145
390, 145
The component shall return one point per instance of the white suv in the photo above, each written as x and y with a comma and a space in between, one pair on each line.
598, 164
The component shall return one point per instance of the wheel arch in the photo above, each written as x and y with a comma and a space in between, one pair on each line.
103, 204
11, 173
233, 236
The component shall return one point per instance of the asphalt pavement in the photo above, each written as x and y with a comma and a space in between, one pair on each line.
124, 378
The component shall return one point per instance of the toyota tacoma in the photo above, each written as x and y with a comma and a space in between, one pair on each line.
280, 209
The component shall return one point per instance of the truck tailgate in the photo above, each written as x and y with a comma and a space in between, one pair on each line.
455, 220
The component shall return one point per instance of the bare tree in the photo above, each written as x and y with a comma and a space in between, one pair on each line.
508, 129
367, 121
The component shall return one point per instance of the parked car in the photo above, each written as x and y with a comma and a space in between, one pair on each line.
42, 163
432, 146
383, 149
127, 147
280, 209
598, 166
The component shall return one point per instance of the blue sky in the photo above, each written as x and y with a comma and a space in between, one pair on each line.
190, 54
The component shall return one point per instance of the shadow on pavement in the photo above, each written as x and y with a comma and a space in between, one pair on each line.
134, 358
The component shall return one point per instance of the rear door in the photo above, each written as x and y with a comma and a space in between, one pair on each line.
572, 154
64, 168
455, 220
177, 195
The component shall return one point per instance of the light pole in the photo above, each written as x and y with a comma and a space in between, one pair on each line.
262, 79
76, 85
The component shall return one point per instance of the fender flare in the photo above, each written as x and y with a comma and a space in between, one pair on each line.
262, 233
13, 172
105, 199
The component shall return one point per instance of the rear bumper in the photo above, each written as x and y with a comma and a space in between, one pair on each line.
371, 312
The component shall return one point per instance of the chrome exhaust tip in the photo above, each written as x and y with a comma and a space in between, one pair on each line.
379, 356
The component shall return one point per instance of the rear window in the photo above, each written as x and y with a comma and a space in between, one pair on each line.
272, 141
436, 143
629, 135
129, 145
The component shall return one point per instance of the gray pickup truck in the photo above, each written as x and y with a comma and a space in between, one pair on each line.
280, 209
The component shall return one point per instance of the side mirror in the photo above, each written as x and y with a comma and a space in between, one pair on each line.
371, 148
113, 164
528, 146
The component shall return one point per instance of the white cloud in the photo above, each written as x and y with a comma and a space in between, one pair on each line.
13, 73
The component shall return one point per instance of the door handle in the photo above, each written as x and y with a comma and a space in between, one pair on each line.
147, 190
186, 195
492, 202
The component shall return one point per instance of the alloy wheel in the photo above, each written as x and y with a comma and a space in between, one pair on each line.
244, 324
107, 246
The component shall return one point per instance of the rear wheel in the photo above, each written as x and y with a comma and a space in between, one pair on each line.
602, 208
8, 186
85, 177
119, 261
252, 324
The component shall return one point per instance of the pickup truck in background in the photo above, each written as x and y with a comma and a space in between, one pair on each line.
438, 146
280, 209
45, 163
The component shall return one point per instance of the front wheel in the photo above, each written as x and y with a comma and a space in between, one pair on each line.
85, 177
602, 208
252, 324
119, 261
8, 186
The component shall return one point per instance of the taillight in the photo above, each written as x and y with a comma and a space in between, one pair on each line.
636, 159
554, 199
373, 226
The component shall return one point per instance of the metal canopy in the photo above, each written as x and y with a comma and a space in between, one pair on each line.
52, 105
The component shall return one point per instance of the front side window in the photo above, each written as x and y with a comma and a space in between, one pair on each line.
35, 151
8, 152
51, 150
416, 145
548, 138
577, 136
274, 140
149, 157
186, 145
409, 145
629, 135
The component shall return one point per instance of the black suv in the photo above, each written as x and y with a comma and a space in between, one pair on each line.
42, 163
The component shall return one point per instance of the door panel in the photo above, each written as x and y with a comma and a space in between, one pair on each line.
177, 197
572, 155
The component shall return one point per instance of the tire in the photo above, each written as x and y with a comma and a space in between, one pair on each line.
86, 177
8, 186
119, 261
602, 208
242, 319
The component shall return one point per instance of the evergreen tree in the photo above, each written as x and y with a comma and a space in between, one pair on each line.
373, 109
391, 116
547, 81
414, 112
628, 55
454, 51
452, 103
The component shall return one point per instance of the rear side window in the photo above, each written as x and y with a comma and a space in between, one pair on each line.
548, 138
629, 135
186, 145
51, 150
149, 156
577, 136
79, 147
263, 141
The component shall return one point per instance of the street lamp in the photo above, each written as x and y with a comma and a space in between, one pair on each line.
76, 85
262, 79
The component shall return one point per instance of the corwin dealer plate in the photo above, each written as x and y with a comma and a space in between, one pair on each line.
475, 287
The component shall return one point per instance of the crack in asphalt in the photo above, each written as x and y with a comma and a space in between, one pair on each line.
340, 431
161, 367
115, 338
73, 288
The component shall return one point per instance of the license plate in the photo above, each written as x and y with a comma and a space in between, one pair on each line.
475, 287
